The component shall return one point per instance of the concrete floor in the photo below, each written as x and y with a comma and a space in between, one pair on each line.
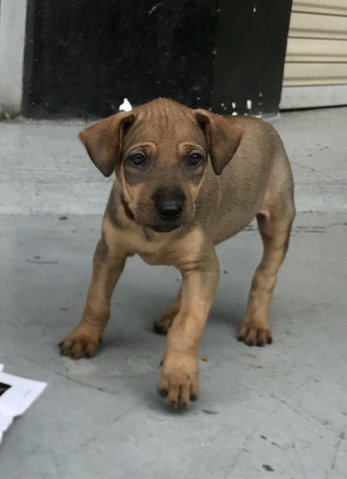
279, 411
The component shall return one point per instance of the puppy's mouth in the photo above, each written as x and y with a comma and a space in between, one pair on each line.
164, 228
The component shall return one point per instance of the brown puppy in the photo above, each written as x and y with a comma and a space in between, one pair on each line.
185, 181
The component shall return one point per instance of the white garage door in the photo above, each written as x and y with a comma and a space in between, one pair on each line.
315, 72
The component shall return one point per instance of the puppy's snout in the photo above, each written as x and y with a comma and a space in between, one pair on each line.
169, 204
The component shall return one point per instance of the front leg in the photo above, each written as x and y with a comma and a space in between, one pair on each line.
84, 340
179, 382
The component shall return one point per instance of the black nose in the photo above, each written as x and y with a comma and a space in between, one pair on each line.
169, 210
169, 204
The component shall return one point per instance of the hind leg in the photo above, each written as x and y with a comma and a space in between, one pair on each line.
161, 326
275, 230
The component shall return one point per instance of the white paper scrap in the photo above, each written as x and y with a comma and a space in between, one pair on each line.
5, 422
16, 396
125, 106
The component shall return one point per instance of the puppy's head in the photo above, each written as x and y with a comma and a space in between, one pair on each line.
159, 152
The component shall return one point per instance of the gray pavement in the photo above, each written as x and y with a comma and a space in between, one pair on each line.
278, 411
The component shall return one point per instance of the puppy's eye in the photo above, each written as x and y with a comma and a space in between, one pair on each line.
138, 160
194, 160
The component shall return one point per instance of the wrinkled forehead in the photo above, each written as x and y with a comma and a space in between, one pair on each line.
164, 125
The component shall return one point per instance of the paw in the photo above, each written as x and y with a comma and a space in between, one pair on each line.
78, 345
179, 384
162, 325
255, 333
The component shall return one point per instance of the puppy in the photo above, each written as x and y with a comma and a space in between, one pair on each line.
185, 180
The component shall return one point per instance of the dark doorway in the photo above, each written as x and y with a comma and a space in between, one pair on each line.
82, 58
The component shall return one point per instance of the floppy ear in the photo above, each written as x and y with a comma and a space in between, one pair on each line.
103, 140
222, 138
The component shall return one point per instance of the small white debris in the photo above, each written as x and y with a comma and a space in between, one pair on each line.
249, 104
153, 9
254, 10
233, 105
125, 106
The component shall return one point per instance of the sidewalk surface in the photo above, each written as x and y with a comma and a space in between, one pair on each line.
278, 411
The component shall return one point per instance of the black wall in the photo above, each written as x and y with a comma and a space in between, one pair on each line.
83, 57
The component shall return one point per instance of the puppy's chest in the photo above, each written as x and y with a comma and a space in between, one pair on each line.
153, 258
151, 251
156, 254
174, 250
